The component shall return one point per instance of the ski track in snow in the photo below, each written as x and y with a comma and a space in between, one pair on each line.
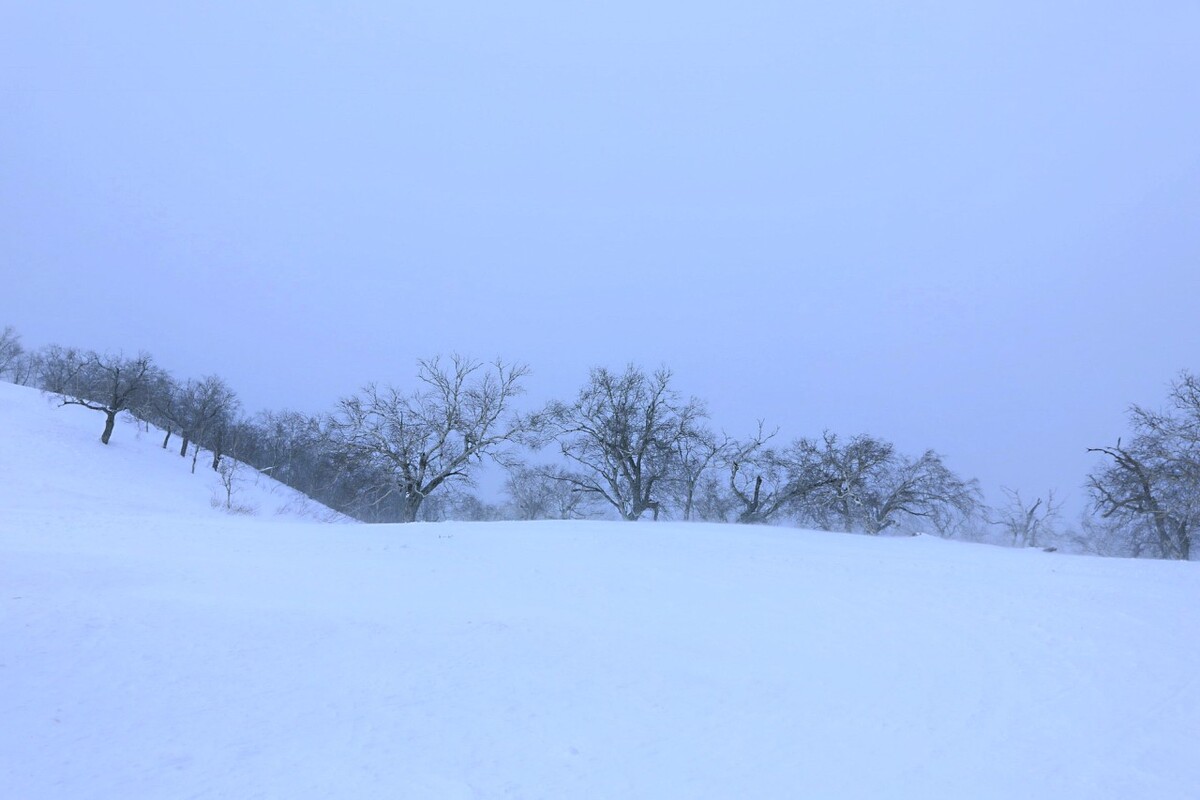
153, 646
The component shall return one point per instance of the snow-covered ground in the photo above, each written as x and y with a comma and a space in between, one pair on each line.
152, 646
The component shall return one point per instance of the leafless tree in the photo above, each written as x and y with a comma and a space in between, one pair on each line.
10, 350
1151, 486
870, 487
438, 434
622, 432
920, 489
805, 480
230, 472
465, 506
713, 501
547, 492
159, 408
61, 369
26, 368
696, 457
202, 411
850, 472
206, 412
1027, 524
106, 383
760, 477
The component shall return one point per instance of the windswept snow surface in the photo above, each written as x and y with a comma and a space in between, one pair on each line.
153, 647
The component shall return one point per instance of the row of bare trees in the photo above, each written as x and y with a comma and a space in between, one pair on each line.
628, 444
202, 412
631, 442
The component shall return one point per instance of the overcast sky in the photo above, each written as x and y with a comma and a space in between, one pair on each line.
973, 227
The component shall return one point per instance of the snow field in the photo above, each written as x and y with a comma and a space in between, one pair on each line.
151, 646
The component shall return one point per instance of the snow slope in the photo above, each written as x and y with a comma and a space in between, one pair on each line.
53, 454
152, 647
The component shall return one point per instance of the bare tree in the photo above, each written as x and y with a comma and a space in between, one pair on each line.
467, 507
762, 483
160, 406
61, 368
10, 350
850, 473
713, 501
106, 383
418, 442
208, 409
869, 487
547, 492
696, 456
202, 411
26, 368
922, 488
1027, 524
623, 432
1151, 487
230, 471
760, 477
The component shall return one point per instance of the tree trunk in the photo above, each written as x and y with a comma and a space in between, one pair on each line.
412, 505
110, 419
183, 447
749, 515
166, 438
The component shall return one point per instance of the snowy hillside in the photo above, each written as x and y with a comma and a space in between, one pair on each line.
55, 454
153, 647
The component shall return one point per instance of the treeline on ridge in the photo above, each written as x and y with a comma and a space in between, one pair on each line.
627, 445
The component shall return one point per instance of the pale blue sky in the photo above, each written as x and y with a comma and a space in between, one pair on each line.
967, 226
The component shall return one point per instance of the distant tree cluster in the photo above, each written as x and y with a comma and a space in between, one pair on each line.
635, 445
627, 445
